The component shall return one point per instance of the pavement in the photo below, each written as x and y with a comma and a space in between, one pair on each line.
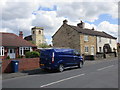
94, 74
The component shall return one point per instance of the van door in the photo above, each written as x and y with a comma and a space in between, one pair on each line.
76, 58
70, 58
45, 57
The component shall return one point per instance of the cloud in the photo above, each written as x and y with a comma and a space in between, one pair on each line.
105, 26
109, 28
89, 11
22, 15
47, 20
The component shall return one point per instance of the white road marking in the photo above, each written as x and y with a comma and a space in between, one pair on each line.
62, 80
105, 67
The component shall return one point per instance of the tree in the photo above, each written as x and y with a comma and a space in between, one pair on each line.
44, 45
33, 42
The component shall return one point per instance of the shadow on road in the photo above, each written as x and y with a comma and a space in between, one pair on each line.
40, 71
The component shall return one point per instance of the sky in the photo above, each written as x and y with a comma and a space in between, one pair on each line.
22, 15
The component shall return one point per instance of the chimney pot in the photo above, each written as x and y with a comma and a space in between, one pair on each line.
65, 21
93, 28
21, 34
81, 25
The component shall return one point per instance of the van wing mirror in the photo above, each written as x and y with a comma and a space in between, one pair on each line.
77, 54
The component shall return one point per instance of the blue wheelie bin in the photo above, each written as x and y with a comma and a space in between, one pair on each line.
15, 65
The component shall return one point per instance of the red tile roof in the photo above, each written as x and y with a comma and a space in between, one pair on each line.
10, 39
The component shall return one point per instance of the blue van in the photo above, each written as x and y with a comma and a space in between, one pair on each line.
59, 59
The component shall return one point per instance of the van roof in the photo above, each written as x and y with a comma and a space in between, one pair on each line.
58, 49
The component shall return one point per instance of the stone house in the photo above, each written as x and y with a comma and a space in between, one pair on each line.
80, 38
75, 37
37, 36
14, 46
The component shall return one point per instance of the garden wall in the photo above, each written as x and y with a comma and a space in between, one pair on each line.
24, 64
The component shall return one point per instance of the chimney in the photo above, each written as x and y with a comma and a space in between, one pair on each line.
93, 28
81, 25
21, 34
65, 21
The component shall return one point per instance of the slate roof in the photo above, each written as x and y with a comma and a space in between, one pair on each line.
28, 38
92, 32
10, 39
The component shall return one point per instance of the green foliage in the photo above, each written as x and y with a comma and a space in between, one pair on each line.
32, 54
32, 42
8, 57
19, 56
44, 45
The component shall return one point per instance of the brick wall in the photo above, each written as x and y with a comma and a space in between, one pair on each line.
24, 64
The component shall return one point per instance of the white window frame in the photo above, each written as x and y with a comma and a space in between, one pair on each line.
2, 51
21, 50
86, 38
110, 41
86, 50
100, 50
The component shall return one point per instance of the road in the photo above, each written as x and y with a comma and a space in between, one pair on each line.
94, 74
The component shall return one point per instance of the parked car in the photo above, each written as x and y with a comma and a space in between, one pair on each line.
59, 59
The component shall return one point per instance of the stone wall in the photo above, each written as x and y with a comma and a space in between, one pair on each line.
90, 43
66, 37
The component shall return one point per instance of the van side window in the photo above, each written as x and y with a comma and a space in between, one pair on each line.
76, 52
70, 52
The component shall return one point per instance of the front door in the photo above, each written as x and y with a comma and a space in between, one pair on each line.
11, 53
92, 50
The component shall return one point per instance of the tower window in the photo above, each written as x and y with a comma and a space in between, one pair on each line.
33, 32
39, 32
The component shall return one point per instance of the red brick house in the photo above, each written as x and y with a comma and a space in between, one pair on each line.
14, 46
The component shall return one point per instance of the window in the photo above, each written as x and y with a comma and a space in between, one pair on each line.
76, 52
110, 41
1, 51
33, 32
40, 41
100, 49
11, 51
23, 50
39, 32
85, 38
86, 48
99, 39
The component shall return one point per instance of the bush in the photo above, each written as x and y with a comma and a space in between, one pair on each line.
19, 56
8, 57
32, 54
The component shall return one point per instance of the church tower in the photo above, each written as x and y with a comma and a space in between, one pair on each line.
37, 35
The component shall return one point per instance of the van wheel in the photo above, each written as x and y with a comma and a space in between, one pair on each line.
61, 68
80, 65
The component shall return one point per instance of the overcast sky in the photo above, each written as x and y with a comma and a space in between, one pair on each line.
21, 15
